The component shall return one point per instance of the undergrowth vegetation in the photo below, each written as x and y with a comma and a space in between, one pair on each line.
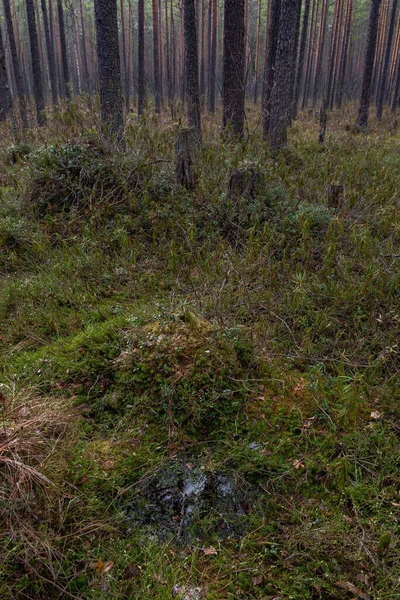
243, 346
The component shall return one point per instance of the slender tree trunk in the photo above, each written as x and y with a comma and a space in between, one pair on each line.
362, 119
282, 94
156, 56
124, 57
383, 80
257, 57
109, 67
5, 96
64, 56
269, 65
320, 52
302, 55
310, 53
37, 72
50, 54
87, 82
233, 67
16, 65
344, 54
192, 68
212, 70
141, 56
203, 52
173, 52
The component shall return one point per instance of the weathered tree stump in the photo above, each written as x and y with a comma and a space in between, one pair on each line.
245, 182
334, 196
185, 158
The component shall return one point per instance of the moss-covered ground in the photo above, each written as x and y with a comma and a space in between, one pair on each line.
143, 325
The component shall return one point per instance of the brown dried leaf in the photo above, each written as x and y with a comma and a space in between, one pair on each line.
211, 551
258, 580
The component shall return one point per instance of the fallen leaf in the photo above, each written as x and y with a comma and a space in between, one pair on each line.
210, 551
375, 415
258, 580
97, 566
298, 464
107, 567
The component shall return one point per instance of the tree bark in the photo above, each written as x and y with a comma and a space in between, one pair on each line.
5, 95
383, 80
192, 67
212, 56
64, 56
156, 56
35, 57
302, 57
50, 54
141, 56
16, 64
362, 119
233, 67
109, 68
269, 65
282, 94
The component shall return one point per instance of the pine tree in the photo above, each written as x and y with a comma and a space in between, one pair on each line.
362, 119
109, 68
191, 67
233, 67
36, 68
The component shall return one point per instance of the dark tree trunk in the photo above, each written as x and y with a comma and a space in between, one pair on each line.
257, 57
64, 56
383, 80
233, 67
50, 54
362, 119
125, 75
212, 55
5, 95
16, 65
203, 53
109, 68
192, 67
141, 70
281, 98
269, 65
302, 56
310, 53
37, 72
156, 56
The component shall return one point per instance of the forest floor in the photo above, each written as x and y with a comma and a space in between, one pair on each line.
199, 390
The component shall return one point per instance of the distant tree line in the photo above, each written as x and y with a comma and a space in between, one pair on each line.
286, 55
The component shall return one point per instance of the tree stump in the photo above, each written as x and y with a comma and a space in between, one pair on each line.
185, 158
334, 196
245, 182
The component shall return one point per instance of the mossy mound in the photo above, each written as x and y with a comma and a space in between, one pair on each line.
185, 371
74, 176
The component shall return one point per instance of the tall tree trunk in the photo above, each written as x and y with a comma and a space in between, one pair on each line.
320, 52
233, 67
16, 65
37, 72
168, 55
124, 67
50, 54
64, 56
362, 119
212, 56
282, 94
302, 56
5, 95
109, 68
383, 80
141, 56
269, 65
192, 67
257, 57
203, 52
87, 82
156, 56
344, 54
310, 53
